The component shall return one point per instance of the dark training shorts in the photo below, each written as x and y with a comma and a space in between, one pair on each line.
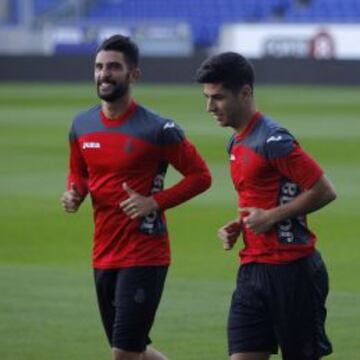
128, 299
280, 305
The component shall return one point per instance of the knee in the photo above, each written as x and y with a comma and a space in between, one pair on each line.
159, 356
163, 357
153, 354
119, 354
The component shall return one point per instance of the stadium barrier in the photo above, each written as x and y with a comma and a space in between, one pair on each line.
270, 70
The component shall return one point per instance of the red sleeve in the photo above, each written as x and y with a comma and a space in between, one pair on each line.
299, 167
78, 174
197, 178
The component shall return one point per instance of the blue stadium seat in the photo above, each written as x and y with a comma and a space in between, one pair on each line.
41, 6
205, 17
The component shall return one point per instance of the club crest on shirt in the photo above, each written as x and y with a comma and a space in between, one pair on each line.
91, 145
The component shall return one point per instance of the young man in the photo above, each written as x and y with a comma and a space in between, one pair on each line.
282, 282
119, 153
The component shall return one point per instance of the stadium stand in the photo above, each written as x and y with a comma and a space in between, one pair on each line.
42, 6
205, 17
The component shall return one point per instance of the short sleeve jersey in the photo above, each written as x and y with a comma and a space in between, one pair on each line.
269, 168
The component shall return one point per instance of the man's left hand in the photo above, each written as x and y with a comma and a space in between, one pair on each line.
137, 205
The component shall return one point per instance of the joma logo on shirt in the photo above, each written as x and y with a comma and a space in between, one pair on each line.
91, 145
274, 138
169, 125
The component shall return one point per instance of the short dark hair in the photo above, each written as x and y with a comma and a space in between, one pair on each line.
230, 69
124, 45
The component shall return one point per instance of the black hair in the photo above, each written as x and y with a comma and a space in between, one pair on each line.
124, 45
230, 69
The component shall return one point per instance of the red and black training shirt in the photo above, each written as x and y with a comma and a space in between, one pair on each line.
269, 168
135, 148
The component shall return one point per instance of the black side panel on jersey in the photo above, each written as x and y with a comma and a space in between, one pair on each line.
294, 230
153, 224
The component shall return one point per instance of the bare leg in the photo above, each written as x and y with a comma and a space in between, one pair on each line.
250, 356
149, 354
119, 354
152, 354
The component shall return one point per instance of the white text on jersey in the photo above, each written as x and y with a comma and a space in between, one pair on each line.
91, 145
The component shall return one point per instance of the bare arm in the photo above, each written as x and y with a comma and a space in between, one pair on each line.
319, 195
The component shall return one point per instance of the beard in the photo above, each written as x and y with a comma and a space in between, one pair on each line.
119, 90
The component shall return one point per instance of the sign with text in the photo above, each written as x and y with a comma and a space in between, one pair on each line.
317, 41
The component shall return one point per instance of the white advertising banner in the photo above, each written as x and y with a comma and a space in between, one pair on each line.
153, 39
318, 41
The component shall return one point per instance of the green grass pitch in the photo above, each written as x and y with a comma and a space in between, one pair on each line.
47, 301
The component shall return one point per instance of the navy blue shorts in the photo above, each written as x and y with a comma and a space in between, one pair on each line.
128, 299
281, 306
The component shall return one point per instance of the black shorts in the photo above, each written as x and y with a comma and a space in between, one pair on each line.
128, 299
280, 305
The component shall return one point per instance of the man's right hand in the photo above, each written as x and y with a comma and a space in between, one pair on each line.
71, 199
229, 234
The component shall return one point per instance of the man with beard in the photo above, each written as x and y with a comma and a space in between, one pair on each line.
119, 153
